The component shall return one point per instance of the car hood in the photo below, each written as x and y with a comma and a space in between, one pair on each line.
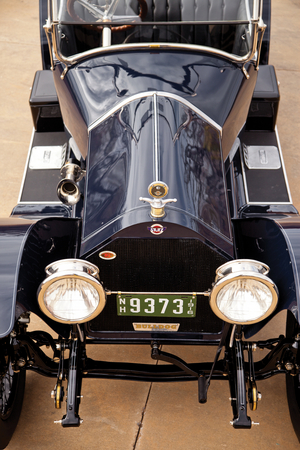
140, 117
150, 138
97, 85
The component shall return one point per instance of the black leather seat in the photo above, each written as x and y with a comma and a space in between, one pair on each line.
213, 10
177, 10
169, 11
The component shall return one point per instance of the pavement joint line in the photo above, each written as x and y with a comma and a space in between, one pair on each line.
8, 41
287, 70
140, 423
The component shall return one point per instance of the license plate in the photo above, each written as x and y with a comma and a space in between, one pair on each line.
156, 305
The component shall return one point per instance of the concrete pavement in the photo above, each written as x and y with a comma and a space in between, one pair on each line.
128, 415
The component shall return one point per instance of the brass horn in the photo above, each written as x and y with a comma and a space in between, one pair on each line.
67, 190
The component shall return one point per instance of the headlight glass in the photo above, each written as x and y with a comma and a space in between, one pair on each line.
71, 299
243, 293
71, 293
244, 300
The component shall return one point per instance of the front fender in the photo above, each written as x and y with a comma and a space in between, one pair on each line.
13, 235
276, 242
26, 248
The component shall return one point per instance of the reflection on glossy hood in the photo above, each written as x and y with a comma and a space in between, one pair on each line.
154, 137
96, 86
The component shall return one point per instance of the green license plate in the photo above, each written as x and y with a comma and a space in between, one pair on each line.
156, 305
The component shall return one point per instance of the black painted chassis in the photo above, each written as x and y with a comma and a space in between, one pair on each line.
241, 374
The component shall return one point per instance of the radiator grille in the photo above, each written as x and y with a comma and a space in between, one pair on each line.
158, 265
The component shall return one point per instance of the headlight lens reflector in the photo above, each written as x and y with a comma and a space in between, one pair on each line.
243, 294
71, 299
72, 293
244, 300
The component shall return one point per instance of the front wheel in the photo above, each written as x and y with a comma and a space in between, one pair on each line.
12, 386
293, 382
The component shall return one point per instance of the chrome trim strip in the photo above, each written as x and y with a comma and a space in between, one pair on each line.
157, 23
106, 36
256, 9
156, 159
26, 166
192, 107
282, 165
117, 107
69, 61
151, 94
268, 203
205, 293
234, 149
225, 188
248, 12
54, 8
244, 175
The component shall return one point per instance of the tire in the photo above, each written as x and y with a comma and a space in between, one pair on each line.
293, 383
12, 387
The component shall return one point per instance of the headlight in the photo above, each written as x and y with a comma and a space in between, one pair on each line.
71, 293
242, 292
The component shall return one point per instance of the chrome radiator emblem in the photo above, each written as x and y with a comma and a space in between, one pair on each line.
157, 229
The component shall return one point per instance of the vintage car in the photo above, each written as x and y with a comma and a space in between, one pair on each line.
154, 207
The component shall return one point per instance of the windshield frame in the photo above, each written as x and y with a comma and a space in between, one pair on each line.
257, 32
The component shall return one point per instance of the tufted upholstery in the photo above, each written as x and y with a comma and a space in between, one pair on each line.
168, 11
213, 10
177, 10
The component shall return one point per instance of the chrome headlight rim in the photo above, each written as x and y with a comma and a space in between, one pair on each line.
72, 274
72, 265
242, 266
223, 280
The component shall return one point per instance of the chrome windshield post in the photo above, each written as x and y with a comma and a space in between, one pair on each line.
106, 36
